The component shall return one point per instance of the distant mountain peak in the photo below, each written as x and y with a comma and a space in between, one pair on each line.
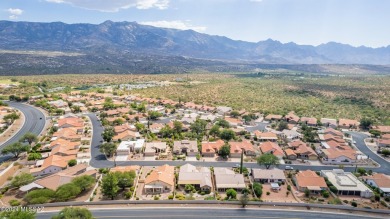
115, 37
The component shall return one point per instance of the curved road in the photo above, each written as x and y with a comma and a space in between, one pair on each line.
32, 124
195, 213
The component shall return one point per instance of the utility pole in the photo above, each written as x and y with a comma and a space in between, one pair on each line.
242, 158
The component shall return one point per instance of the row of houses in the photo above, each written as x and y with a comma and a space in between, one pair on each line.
292, 118
69, 142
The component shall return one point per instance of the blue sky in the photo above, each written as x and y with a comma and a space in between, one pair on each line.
311, 22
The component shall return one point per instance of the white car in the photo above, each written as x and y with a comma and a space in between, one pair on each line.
289, 168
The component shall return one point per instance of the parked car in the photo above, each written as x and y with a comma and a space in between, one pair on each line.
289, 168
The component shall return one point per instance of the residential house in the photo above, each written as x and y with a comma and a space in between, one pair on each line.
347, 183
60, 178
126, 147
380, 181
382, 128
272, 117
290, 154
233, 122
52, 164
339, 156
209, 149
331, 123
384, 141
200, 177
292, 118
153, 148
348, 124
302, 150
265, 136
310, 121
291, 135
268, 175
227, 179
309, 180
271, 148
156, 127
72, 122
245, 146
190, 148
126, 136
70, 134
223, 110
160, 180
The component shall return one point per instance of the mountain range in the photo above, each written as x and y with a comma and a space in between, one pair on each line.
123, 45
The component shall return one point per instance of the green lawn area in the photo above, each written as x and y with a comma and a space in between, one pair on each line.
8, 81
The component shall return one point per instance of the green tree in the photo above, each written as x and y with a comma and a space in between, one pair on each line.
72, 162
214, 131
39, 196
234, 114
125, 179
258, 189
29, 137
231, 194
365, 123
189, 188
223, 123
224, 151
361, 171
307, 193
34, 156
385, 152
19, 213
22, 179
67, 191
141, 108
267, 160
84, 182
16, 149
140, 127
166, 132
177, 127
108, 134
154, 115
375, 133
74, 213
198, 127
108, 149
227, 134
282, 125
76, 109
110, 186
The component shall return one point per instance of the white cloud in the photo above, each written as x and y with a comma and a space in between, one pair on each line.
14, 13
114, 5
175, 24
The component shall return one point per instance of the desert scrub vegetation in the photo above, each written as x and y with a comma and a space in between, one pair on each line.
333, 97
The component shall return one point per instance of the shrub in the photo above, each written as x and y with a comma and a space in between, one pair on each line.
268, 193
325, 194
128, 194
377, 197
258, 189
231, 193
354, 204
170, 197
333, 189
39, 196
72, 162
288, 188
345, 201
14, 202
387, 199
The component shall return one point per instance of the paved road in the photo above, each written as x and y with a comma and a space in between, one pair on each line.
361, 145
33, 124
195, 213
98, 160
